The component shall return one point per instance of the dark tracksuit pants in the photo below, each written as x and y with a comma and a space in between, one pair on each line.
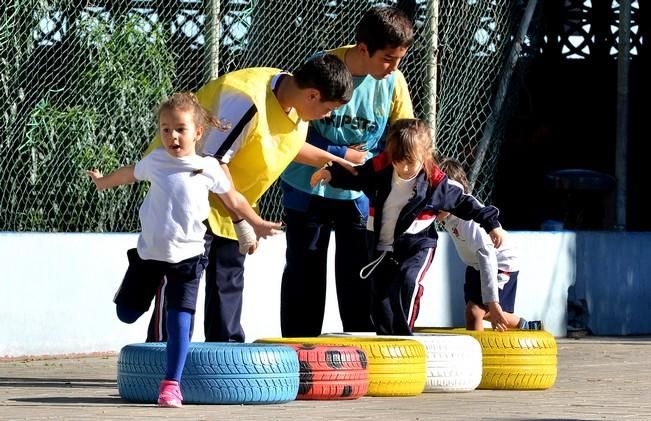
224, 288
397, 290
303, 289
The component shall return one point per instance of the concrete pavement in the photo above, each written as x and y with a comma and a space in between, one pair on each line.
598, 379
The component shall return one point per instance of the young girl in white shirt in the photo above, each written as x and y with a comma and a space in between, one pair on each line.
172, 216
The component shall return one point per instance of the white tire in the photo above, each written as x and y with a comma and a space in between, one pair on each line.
454, 362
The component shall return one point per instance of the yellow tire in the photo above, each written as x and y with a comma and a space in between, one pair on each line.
396, 367
515, 359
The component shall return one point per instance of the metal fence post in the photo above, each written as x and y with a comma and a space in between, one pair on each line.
621, 145
212, 33
432, 71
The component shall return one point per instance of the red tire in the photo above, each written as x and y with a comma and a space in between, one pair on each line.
331, 372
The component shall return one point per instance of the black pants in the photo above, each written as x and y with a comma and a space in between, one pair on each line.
303, 289
224, 288
397, 290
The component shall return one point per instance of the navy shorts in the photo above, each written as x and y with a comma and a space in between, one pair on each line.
143, 278
472, 288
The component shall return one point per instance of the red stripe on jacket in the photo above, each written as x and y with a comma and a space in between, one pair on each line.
380, 161
436, 176
427, 214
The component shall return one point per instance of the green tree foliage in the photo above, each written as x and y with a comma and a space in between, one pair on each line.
83, 97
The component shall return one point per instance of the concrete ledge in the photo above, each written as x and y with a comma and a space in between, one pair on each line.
58, 288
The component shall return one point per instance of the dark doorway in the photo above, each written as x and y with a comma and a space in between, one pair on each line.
566, 120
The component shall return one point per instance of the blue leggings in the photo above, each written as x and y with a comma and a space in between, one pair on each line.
178, 337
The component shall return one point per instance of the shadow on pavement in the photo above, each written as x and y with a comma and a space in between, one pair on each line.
77, 401
54, 382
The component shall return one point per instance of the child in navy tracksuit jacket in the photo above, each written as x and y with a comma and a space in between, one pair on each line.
406, 191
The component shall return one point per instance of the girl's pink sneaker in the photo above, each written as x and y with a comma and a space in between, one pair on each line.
169, 395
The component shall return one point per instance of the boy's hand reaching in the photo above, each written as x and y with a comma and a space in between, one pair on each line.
322, 175
267, 228
356, 154
347, 165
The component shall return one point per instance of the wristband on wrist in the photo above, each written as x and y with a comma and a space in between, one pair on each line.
238, 221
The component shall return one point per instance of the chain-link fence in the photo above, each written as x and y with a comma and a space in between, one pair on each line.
80, 83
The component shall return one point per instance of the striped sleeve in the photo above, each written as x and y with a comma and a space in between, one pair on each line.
238, 114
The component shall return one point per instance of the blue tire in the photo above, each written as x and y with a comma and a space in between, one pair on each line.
214, 373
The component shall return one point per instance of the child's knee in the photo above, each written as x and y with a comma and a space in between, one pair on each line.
127, 315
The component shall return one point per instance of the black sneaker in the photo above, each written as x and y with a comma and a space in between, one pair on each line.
535, 325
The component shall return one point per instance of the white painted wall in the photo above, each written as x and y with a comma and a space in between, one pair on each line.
56, 290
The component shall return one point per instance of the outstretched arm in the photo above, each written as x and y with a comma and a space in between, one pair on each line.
247, 234
231, 212
123, 175
488, 276
236, 204
356, 154
315, 157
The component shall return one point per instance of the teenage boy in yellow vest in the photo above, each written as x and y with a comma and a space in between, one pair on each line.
266, 113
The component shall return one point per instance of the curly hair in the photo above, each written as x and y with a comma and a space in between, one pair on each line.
188, 101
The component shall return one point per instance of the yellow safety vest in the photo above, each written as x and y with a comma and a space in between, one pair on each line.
272, 140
